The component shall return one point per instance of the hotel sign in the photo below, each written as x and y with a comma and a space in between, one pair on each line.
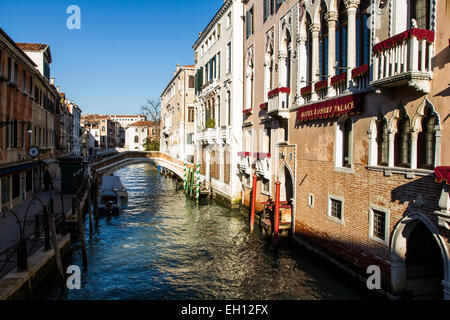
347, 105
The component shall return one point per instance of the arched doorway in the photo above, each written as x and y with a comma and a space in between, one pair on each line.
419, 259
424, 265
287, 190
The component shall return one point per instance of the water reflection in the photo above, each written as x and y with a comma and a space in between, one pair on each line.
164, 246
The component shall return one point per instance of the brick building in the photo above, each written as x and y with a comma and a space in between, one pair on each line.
344, 104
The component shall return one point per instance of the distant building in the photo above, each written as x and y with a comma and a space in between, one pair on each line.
178, 114
137, 134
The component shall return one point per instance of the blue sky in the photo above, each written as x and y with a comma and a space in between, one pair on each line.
125, 52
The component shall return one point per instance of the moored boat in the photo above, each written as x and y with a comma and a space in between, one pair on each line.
109, 202
113, 183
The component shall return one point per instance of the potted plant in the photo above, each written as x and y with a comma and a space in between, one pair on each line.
210, 123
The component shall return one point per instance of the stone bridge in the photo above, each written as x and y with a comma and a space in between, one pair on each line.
108, 165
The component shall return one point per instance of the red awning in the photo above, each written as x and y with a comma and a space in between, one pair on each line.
442, 174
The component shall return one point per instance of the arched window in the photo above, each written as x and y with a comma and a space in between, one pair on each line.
383, 142
323, 43
402, 141
136, 139
341, 39
420, 11
362, 34
426, 141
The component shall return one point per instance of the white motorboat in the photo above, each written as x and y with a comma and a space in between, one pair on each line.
113, 183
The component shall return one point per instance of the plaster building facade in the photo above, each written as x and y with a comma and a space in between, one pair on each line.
178, 115
218, 102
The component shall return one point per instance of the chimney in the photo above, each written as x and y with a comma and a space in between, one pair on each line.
52, 81
178, 67
58, 88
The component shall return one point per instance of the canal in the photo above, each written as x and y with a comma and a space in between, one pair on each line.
165, 247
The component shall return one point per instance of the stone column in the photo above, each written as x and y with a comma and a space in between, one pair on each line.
392, 148
302, 65
315, 29
352, 6
331, 18
414, 150
216, 111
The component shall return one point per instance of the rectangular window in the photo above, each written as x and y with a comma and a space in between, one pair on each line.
189, 138
191, 82
265, 186
336, 209
1, 63
228, 20
249, 22
191, 116
379, 225
15, 134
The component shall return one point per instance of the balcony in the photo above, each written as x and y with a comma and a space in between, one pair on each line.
404, 60
279, 102
245, 164
263, 165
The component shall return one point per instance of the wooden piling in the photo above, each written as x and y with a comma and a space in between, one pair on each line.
76, 207
95, 189
277, 211
55, 245
89, 205
253, 205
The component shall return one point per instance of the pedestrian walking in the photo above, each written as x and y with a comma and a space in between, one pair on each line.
48, 181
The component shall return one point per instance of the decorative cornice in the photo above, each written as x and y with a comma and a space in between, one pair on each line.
227, 4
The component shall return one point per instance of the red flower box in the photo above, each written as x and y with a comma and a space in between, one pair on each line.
321, 85
420, 34
243, 154
442, 174
306, 90
339, 78
247, 111
360, 71
264, 106
277, 91
260, 155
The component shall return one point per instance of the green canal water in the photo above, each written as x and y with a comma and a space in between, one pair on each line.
165, 247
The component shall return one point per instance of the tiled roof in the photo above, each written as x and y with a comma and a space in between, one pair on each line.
142, 124
32, 46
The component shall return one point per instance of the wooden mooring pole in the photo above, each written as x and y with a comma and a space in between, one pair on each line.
95, 193
55, 245
76, 207
89, 205
253, 204
277, 211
